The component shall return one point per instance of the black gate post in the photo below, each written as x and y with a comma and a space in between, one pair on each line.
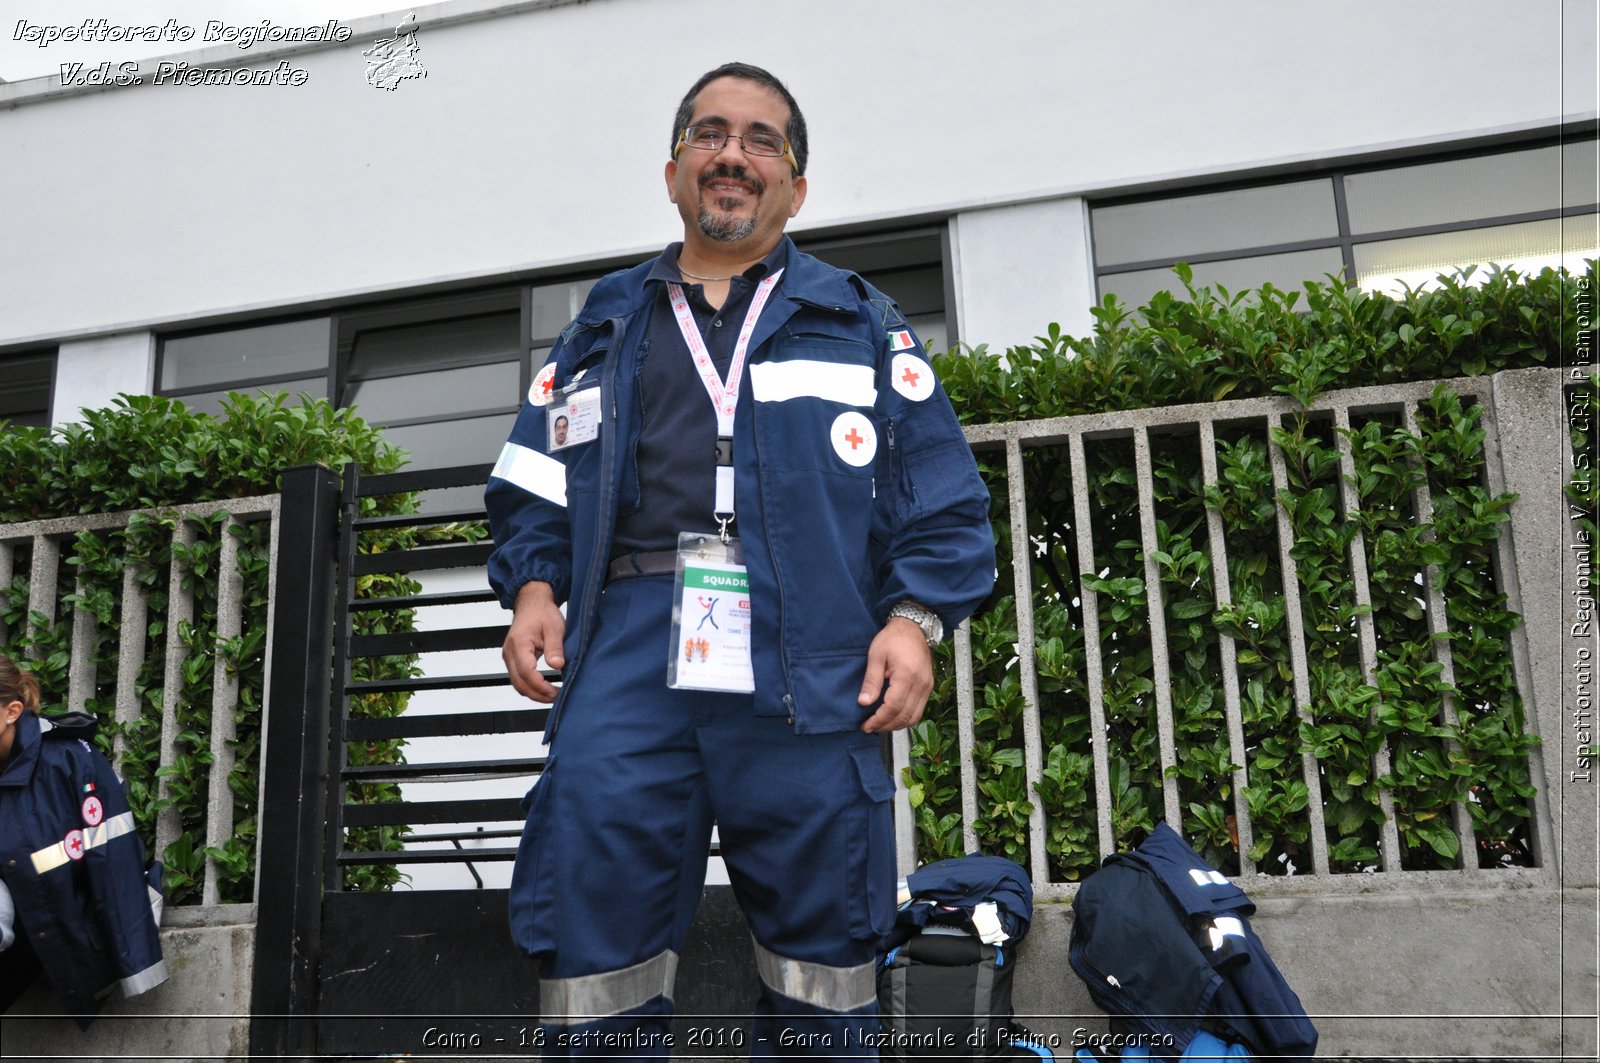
294, 764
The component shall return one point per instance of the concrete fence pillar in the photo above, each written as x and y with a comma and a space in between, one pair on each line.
1553, 557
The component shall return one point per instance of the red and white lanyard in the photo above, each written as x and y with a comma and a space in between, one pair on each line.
724, 393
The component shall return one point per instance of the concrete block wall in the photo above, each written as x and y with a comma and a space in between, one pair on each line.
1431, 973
1428, 974
202, 1011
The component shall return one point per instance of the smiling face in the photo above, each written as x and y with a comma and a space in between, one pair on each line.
732, 201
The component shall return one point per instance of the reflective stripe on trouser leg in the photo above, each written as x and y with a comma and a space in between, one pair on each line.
621, 840
568, 1001
817, 984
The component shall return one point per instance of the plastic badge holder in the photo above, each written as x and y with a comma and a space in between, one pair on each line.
710, 648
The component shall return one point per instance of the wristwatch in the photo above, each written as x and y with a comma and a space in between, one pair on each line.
925, 618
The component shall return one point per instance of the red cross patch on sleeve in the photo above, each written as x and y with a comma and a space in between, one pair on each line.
911, 376
541, 391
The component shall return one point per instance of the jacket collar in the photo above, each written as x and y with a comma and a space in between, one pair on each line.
665, 267
24, 752
806, 280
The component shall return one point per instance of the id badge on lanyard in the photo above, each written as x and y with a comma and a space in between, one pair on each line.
710, 617
711, 605
573, 416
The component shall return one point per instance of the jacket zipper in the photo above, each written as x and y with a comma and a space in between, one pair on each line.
890, 475
604, 517
766, 533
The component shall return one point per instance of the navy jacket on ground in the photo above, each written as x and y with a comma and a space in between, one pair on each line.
1164, 942
71, 856
964, 882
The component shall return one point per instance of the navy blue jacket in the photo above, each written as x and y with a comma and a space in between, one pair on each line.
70, 854
831, 542
963, 882
1164, 941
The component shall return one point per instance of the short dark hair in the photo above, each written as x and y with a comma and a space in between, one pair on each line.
796, 130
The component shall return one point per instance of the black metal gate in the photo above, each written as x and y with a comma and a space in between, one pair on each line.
343, 971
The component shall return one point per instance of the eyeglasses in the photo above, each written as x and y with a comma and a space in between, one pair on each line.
715, 138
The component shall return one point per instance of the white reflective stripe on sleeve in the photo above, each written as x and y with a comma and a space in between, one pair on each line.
536, 473
8, 917
145, 980
853, 385
568, 1001
53, 856
817, 984
115, 827
49, 858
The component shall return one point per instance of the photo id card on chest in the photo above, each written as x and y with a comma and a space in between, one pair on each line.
710, 647
573, 416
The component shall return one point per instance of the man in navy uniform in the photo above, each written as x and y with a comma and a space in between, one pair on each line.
744, 426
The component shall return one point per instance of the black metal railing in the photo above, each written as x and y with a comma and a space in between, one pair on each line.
316, 805
474, 818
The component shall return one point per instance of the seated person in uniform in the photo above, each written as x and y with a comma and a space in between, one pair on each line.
71, 859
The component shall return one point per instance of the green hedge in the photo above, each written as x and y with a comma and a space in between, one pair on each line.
1216, 345
147, 453
151, 452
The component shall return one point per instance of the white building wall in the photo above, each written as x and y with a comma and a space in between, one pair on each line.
91, 373
1019, 268
539, 134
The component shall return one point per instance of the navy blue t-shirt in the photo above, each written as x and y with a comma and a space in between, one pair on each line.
677, 451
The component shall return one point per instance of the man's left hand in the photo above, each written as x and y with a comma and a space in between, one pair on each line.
899, 657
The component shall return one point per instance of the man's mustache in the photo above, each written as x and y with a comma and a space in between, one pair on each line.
733, 173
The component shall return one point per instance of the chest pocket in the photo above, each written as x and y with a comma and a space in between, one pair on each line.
814, 405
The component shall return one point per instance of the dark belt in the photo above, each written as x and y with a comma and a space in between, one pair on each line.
642, 563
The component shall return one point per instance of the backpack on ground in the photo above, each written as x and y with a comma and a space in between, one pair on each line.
944, 980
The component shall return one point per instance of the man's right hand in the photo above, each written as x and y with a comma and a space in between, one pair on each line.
537, 627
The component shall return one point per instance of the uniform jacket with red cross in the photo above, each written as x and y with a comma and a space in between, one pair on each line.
856, 488
71, 856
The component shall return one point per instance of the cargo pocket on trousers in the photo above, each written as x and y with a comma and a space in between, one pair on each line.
531, 903
870, 853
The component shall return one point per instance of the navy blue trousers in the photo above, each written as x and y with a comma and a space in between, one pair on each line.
612, 860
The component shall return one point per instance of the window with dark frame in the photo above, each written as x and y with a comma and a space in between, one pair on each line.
444, 375
27, 387
1403, 222
201, 368
907, 266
